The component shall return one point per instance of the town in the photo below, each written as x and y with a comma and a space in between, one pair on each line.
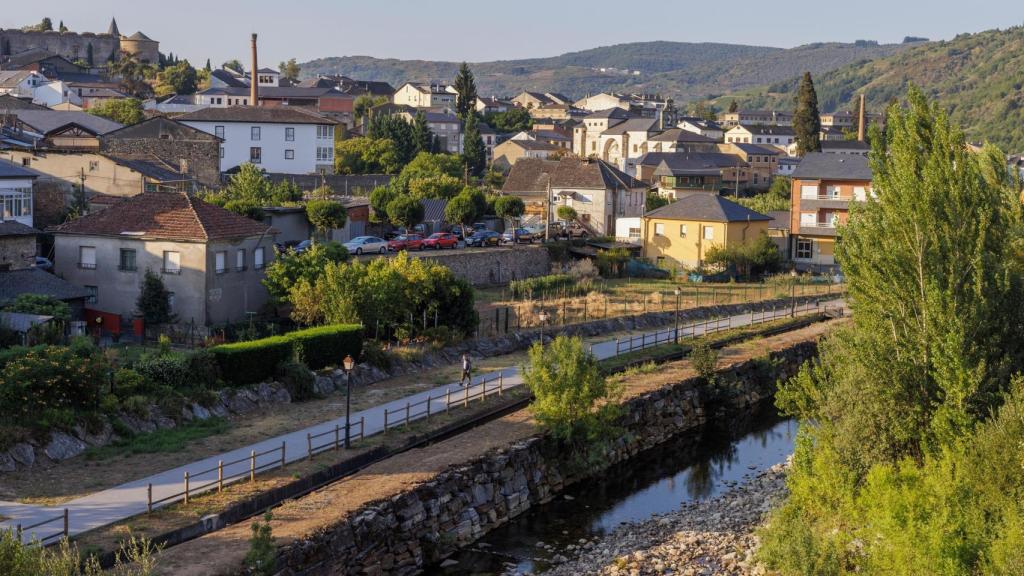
297, 319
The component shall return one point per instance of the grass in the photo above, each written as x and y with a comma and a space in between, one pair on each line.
159, 441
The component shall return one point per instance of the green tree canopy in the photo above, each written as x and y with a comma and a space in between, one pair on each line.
326, 215
405, 212
653, 201
126, 111
807, 119
514, 120
474, 153
290, 267
423, 138
748, 259
566, 213
395, 128
290, 70
154, 301
460, 210
366, 156
249, 191
180, 78
465, 90
380, 197
509, 207
40, 304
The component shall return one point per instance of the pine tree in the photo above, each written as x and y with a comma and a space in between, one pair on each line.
422, 138
208, 67
46, 25
734, 107
89, 59
154, 302
807, 119
61, 27
474, 153
465, 89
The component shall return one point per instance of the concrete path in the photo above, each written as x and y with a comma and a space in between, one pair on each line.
114, 504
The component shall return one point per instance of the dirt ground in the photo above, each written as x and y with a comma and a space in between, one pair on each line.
222, 552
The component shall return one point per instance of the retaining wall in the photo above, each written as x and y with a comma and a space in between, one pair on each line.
420, 527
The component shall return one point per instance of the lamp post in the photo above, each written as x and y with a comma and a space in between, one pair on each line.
678, 293
348, 363
543, 317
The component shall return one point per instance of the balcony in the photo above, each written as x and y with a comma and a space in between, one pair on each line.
818, 229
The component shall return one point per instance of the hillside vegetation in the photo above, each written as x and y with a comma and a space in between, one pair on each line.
682, 70
977, 78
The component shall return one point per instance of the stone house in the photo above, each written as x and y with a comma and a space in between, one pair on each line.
210, 259
193, 152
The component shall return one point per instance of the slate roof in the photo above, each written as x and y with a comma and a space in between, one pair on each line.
613, 113
822, 166
47, 121
30, 56
228, 78
534, 145
150, 167
680, 135
529, 175
780, 219
633, 125
15, 228
702, 206
591, 174
35, 281
8, 102
160, 127
139, 36
756, 148
9, 170
256, 114
683, 160
11, 78
844, 145
175, 216
687, 166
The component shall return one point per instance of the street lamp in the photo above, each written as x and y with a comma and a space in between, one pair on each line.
348, 363
543, 317
678, 293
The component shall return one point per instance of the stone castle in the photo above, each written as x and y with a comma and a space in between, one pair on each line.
75, 45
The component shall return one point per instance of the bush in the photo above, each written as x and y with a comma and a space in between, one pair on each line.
46, 386
534, 287
243, 363
297, 379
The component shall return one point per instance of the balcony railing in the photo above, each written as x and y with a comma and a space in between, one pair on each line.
87, 265
839, 198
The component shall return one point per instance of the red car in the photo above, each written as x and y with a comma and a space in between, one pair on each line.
406, 242
441, 240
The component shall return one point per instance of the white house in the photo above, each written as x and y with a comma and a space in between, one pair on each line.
16, 193
53, 93
279, 140
779, 136
430, 96
701, 126
20, 83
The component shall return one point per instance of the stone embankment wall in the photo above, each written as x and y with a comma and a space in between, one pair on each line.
420, 527
491, 266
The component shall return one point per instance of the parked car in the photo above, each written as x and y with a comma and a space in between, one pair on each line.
440, 240
406, 242
571, 230
517, 235
303, 246
366, 245
43, 263
484, 238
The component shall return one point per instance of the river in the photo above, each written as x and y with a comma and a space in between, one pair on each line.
694, 466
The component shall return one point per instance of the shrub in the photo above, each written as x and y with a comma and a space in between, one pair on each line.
375, 355
40, 304
704, 360
534, 287
15, 352
327, 345
297, 379
261, 559
247, 362
128, 382
41, 386
165, 371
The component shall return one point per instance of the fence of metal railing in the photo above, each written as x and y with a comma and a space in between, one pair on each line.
464, 395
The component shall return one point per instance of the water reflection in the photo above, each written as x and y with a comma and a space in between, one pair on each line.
696, 467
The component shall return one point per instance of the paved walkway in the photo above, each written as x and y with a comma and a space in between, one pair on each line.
126, 500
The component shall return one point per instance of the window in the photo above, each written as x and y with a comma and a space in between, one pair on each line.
634, 233
94, 294
255, 154
682, 230
808, 219
324, 154
659, 229
172, 263
26, 161
170, 300
289, 154
859, 193
254, 133
289, 134
16, 202
127, 261
804, 248
218, 131
240, 260
709, 233
324, 132
808, 192
221, 152
257, 258
87, 257
220, 262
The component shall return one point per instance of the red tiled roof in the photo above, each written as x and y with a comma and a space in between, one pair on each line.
166, 216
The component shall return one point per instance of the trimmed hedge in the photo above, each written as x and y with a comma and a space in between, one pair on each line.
243, 363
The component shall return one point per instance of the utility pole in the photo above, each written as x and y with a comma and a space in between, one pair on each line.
547, 212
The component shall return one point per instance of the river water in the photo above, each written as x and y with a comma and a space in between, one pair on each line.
694, 466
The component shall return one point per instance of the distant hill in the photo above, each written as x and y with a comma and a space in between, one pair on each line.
685, 71
976, 77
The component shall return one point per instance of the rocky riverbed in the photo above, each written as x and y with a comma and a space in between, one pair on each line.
703, 537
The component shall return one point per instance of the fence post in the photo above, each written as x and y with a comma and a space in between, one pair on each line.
465, 401
282, 455
65, 522
362, 429
407, 414
149, 498
429, 400
337, 429
447, 398
385, 420
616, 346
186, 486
501, 383
309, 446
252, 466
220, 476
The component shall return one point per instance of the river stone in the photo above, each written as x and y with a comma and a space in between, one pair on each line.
63, 446
23, 453
7, 463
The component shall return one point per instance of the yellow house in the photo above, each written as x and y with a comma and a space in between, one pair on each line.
681, 233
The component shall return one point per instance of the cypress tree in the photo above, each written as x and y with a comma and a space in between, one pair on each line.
474, 154
88, 54
422, 138
154, 302
807, 119
465, 88
734, 107
208, 67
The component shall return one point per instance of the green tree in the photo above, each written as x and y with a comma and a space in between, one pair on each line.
261, 559
474, 153
89, 59
749, 259
422, 137
807, 119
566, 213
154, 301
363, 103
40, 304
509, 208
653, 201
290, 70
465, 90
776, 198
366, 156
572, 399
443, 186
177, 79
234, 65
395, 128
291, 267
126, 111
132, 74
61, 27
460, 210
208, 68
514, 120
705, 110
380, 197
405, 212
734, 106
326, 215
46, 25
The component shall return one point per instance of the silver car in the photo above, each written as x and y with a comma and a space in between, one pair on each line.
366, 245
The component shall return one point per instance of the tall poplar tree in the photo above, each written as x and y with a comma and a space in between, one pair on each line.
807, 119
465, 90
422, 138
474, 153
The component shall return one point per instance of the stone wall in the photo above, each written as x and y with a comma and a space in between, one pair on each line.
420, 527
71, 45
488, 267
202, 157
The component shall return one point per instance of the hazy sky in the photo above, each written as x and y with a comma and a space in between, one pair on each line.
477, 31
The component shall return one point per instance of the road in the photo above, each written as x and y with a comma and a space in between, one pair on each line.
130, 499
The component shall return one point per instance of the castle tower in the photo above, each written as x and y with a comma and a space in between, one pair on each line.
113, 31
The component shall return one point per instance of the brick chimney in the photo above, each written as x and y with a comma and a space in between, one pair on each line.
861, 117
254, 80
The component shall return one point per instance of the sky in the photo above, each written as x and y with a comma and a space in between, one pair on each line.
476, 31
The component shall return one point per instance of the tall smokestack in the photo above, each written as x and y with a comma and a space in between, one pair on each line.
861, 117
254, 91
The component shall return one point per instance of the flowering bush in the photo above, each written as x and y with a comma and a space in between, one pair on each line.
43, 387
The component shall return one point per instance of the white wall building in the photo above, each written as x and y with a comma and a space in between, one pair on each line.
16, 193
430, 96
279, 140
53, 93
20, 83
